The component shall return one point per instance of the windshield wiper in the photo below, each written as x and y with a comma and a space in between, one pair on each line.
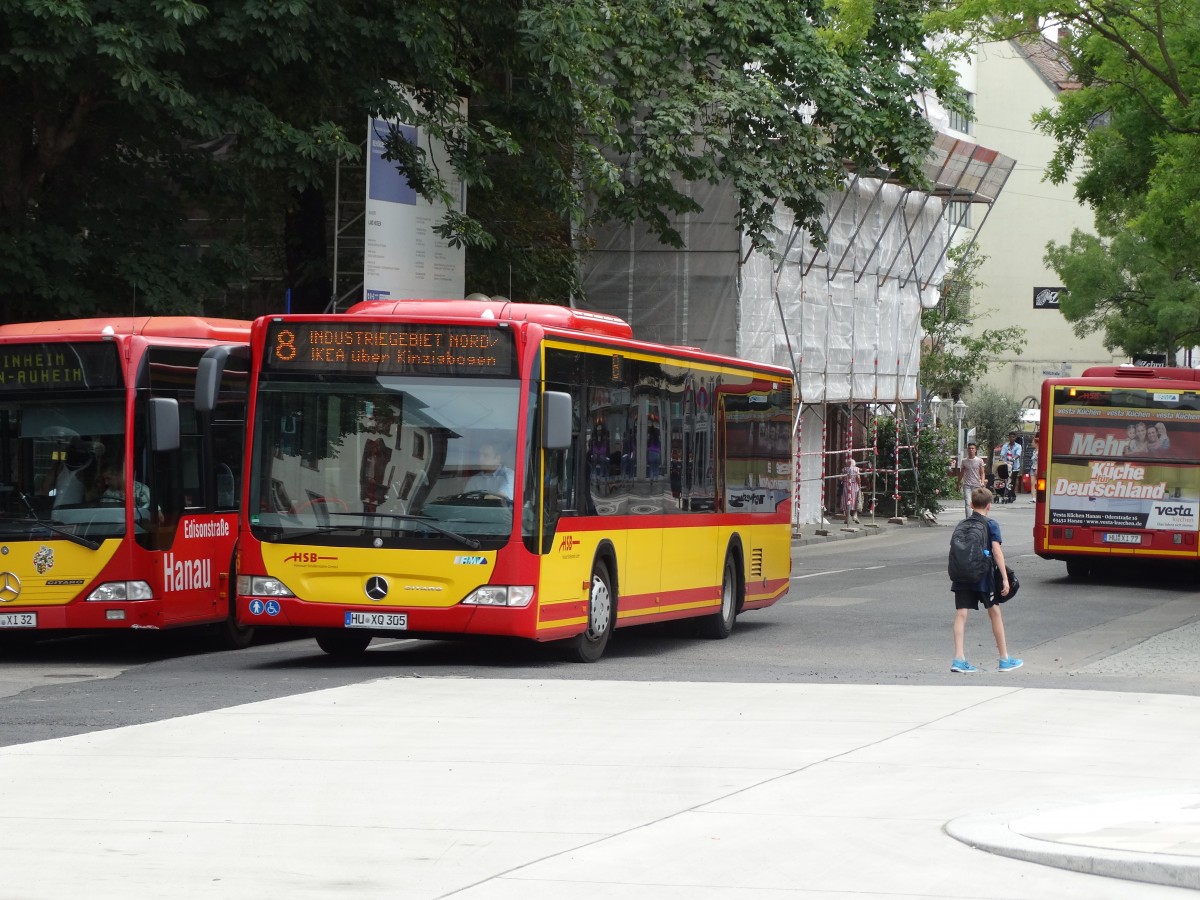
34, 520
324, 529
429, 522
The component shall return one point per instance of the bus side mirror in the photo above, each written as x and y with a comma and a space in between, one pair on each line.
556, 420
164, 423
210, 370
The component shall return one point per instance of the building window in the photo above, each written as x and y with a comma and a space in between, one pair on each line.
959, 122
958, 214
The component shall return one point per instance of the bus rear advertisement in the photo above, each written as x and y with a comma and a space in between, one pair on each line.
1119, 471
440, 468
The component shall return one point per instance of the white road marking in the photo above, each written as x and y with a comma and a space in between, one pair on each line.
837, 572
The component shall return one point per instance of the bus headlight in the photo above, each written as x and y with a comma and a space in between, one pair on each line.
500, 595
262, 586
112, 591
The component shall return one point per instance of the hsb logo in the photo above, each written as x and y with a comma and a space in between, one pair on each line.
567, 543
306, 557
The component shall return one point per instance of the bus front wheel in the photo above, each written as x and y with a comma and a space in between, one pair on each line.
343, 644
232, 635
719, 625
589, 646
1078, 568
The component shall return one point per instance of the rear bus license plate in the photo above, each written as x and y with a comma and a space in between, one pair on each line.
18, 620
1119, 538
392, 621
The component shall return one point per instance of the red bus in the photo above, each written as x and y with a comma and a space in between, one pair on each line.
438, 468
1118, 475
118, 496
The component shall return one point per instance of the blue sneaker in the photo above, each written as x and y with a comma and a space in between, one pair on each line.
961, 665
1010, 663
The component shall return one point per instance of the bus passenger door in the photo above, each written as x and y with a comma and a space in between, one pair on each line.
187, 545
561, 591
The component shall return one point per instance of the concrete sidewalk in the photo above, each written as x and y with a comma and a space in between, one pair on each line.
507, 789
867, 526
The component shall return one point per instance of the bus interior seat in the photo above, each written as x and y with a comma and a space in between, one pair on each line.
226, 487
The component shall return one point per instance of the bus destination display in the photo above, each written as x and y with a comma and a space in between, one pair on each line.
58, 365
384, 348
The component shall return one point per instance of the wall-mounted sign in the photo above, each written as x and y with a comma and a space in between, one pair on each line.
1047, 297
404, 257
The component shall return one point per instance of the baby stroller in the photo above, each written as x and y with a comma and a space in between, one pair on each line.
1000, 484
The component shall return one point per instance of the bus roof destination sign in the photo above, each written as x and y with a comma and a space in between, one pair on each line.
62, 365
387, 348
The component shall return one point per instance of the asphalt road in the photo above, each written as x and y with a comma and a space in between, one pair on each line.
875, 610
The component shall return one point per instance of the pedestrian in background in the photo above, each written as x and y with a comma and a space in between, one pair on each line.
851, 490
970, 476
1011, 453
969, 596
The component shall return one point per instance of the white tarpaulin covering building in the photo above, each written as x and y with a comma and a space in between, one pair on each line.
845, 319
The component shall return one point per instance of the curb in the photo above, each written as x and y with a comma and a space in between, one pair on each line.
836, 531
998, 834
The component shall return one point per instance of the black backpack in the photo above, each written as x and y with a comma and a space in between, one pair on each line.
970, 551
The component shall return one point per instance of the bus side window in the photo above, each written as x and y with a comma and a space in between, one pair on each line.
227, 463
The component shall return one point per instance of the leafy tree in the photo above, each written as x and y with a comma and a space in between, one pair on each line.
1132, 134
1123, 288
993, 414
127, 122
953, 357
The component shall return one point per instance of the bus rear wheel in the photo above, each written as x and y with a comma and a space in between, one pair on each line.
589, 646
342, 644
1079, 568
719, 625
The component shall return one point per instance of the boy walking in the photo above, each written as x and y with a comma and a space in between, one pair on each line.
968, 596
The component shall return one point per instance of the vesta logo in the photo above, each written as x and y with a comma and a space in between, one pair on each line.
186, 574
568, 543
1174, 511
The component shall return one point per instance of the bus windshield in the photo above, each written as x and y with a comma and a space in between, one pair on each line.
410, 460
62, 464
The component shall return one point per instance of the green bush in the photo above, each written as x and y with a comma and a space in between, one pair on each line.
930, 485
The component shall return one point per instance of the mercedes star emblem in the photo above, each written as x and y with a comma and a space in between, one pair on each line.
377, 587
10, 587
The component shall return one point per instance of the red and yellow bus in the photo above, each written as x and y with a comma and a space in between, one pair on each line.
118, 499
1118, 473
435, 468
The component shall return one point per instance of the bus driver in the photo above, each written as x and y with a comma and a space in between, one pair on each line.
494, 477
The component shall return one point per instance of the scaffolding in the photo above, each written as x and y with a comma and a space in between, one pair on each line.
349, 232
844, 316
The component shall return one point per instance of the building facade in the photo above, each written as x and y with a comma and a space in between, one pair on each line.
1010, 82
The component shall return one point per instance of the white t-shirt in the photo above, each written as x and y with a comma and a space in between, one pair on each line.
68, 487
972, 472
499, 481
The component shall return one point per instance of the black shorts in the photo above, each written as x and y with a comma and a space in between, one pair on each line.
972, 599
